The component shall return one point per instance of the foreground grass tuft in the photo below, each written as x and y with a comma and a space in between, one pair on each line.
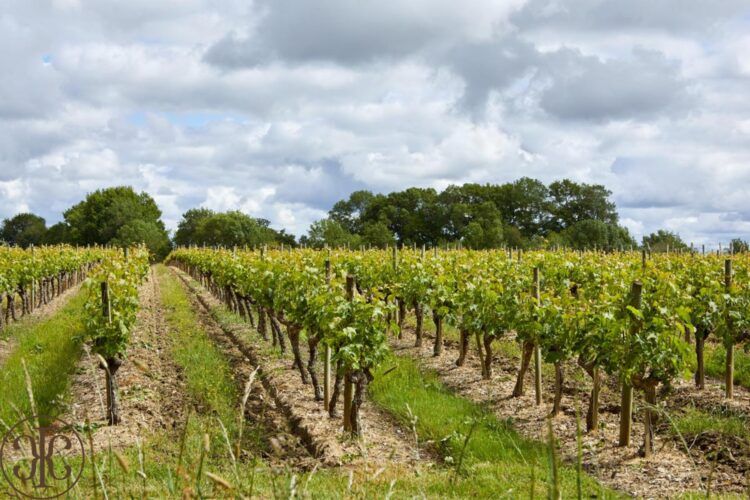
207, 373
488, 455
716, 361
50, 348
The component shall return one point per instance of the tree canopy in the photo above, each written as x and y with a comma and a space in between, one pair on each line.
202, 226
118, 215
663, 240
23, 230
520, 213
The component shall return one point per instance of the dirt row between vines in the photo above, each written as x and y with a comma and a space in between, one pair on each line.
152, 392
670, 471
44, 311
384, 441
153, 396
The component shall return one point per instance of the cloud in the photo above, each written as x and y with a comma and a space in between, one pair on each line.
670, 16
356, 32
588, 88
280, 108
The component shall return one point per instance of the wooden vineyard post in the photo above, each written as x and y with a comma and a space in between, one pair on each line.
348, 393
729, 371
400, 309
626, 400
327, 352
643, 258
32, 306
537, 349
112, 365
105, 302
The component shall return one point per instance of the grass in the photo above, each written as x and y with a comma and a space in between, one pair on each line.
50, 348
252, 476
207, 373
715, 362
495, 458
694, 422
496, 461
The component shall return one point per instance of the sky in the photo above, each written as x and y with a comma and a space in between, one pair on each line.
279, 108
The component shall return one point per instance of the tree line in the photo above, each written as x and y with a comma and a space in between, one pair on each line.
120, 216
521, 214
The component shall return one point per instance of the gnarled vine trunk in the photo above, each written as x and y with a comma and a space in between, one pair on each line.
360, 379
438, 347
401, 316
556, 405
528, 351
700, 371
463, 347
336, 390
294, 333
487, 362
592, 414
277, 333
419, 312
113, 405
312, 345
262, 327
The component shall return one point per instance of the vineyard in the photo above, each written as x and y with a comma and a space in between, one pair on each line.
642, 321
630, 357
32, 278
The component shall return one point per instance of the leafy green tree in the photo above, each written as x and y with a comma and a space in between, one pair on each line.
349, 213
484, 229
377, 234
149, 233
663, 240
591, 233
738, 245
23, 230
519, 214
513, 237
571, 202
57, 234
286, 239
99, 218
415, 216
234, 229
187, 229
202, 226
524, 204
330, 232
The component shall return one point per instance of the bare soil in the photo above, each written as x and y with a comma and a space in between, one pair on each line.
153, 396
669, 472
384, 441
152, 393
280, 445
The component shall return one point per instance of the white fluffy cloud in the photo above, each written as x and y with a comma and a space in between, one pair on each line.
280, 108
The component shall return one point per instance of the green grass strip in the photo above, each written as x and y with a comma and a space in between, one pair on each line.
716, 363
207, 372
694, 422
51, 348
494, 457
